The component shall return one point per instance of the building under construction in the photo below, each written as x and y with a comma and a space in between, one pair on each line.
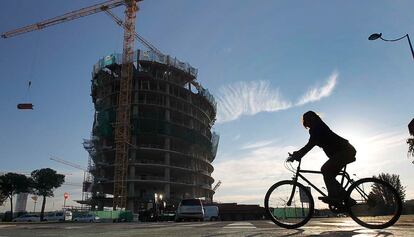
171, 146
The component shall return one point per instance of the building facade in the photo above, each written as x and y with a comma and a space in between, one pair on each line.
172, 145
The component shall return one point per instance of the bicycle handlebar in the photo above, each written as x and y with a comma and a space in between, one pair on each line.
291, 158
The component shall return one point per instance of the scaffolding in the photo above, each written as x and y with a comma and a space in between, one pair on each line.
171, 145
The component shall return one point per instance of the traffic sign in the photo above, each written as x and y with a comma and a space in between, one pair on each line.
66, 196
302, 195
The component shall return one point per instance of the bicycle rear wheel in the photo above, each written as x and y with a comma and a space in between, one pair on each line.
374, 203
298, 213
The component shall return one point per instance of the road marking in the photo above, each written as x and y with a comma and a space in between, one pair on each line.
73, 227
152, 225
339, 224
196, 225
240, 225
5, 226
311, 227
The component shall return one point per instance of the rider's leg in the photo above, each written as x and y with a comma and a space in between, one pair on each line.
330, 170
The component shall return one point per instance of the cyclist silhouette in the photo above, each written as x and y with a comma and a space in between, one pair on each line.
339, 151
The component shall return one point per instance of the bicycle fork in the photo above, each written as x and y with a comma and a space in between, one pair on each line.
295, 181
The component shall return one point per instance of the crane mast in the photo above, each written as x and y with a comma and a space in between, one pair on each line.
123, 113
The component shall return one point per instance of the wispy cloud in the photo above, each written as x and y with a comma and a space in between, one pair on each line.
249, 98
317, 93
237, 137
257, 144
371, 148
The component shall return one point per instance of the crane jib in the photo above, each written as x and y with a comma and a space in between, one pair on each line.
65, 17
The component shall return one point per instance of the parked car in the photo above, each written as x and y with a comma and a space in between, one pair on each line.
167, 216
58, 216
7, 215
211, 213
190, 209
87, 217
27, 218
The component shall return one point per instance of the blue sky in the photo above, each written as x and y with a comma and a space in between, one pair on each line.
267, 62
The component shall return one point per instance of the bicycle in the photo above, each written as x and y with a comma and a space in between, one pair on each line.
370, 202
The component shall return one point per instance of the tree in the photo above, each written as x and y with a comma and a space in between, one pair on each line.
44, 182
394, 181
410, 141
11, 184
2, 198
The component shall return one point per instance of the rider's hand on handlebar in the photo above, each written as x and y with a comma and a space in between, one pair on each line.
293, 156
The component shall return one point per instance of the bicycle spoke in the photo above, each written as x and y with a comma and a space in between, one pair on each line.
288, 216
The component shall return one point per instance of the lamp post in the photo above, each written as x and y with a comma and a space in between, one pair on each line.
156, 196
376, 36
379, 36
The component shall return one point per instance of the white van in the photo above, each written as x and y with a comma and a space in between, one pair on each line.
211, 213
58, 216
190, 209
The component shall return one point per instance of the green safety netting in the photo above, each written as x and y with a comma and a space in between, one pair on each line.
165, 128
116, 58
215, 138
290, 212
114, 215
104, 120
154, 57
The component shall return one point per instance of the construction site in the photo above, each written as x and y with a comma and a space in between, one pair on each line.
171, 146
151, 138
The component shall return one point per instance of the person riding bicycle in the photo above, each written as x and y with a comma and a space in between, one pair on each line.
339, 151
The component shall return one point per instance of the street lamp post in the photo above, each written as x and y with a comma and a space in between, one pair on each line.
156, 196
376, 36
379, 36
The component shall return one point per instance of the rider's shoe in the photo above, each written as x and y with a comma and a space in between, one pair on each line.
330, 200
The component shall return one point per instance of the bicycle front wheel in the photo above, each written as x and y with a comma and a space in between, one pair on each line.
374, 203
285, 214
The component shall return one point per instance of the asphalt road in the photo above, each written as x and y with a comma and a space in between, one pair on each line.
316, 227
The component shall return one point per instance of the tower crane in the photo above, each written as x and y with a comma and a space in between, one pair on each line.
71, 164
122, 124
217, 185
76, 166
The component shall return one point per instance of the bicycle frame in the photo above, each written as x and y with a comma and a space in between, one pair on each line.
345, 177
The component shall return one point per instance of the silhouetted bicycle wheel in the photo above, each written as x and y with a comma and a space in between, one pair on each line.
374, 203
298, 213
